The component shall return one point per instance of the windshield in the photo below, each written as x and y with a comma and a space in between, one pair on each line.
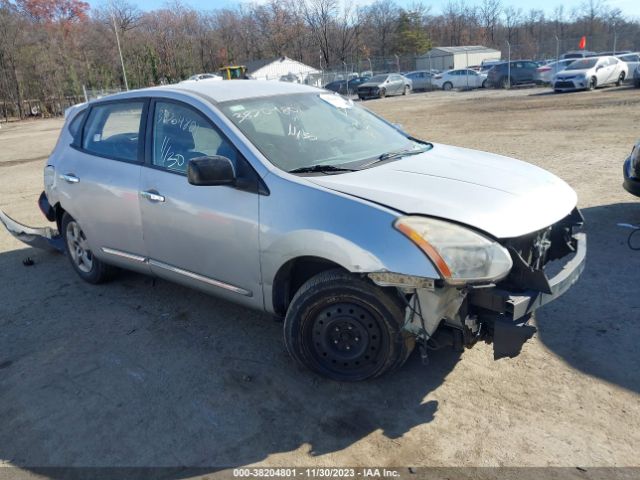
583, 64
378, 79
302, 130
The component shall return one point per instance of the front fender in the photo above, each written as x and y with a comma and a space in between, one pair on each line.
356, 234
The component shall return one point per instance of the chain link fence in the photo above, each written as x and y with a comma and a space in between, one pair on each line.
435, 60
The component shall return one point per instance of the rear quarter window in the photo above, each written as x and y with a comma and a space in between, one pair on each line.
76, 123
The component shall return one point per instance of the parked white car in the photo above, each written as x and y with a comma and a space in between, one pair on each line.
462, 78
589, 73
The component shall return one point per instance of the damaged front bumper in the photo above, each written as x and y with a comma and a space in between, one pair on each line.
45, 238
491, 313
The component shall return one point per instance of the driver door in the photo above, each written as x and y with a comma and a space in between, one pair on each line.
202, 236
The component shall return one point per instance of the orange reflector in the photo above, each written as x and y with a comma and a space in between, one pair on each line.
426, 247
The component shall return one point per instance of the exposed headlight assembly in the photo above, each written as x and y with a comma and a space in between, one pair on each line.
460, 254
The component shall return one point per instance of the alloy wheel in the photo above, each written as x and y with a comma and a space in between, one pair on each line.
78, 247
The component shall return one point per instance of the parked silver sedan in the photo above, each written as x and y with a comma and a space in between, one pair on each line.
296, 201
384, 85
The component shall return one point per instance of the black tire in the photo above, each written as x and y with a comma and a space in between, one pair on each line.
345, 328
383, 93
86, 265
447, 86
505, 83
620, 79
593, 83
361, 97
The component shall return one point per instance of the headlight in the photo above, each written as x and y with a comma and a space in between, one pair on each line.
460, 254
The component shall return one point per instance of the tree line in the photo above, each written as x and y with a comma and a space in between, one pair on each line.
51, 48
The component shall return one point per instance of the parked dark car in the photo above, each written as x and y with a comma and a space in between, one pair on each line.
631, 171
343, 87
336, 86
382, 85
521, 72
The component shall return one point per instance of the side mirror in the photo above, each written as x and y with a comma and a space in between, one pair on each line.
211, 171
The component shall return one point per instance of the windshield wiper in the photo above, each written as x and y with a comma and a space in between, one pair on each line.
320, 169
396, 154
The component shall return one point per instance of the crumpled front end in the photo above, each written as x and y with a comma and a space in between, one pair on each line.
546, 263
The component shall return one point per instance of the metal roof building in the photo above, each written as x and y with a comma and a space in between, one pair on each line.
448, 58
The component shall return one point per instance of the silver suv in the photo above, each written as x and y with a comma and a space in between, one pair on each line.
296, 201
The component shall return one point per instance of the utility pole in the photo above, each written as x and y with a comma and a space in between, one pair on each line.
115, 29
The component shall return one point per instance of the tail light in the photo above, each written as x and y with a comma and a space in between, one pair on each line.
543, 69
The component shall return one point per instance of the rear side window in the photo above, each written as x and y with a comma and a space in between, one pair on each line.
112, 130
76, 123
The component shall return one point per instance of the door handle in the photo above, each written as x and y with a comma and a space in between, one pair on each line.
152, 196
69, 178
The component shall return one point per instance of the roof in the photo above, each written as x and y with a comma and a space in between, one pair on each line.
226, 90
258, 64
465, 49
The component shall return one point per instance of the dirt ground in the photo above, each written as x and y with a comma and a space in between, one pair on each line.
144, 373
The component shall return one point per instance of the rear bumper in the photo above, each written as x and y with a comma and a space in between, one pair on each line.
46, 238
517, 306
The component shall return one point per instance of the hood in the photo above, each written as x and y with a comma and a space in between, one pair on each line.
499, 195
573, 73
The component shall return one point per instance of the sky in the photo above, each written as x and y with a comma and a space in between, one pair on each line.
630, 8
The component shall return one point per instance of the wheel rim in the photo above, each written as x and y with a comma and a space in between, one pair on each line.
78, 247
447, 86
346, 339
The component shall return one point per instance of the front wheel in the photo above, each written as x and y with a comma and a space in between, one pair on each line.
383, 93
593, 83
345, 328
406, 90
620, 79
447, 86
86, 265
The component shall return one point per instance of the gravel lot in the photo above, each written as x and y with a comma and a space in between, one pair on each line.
140, 372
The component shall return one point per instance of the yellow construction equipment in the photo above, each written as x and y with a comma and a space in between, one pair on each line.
234, 72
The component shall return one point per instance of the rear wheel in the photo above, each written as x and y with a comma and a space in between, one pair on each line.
345, 328
86, 265
447, 86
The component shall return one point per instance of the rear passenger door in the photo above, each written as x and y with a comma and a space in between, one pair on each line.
203, 236
98, 180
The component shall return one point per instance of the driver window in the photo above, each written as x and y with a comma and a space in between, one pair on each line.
181, 134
